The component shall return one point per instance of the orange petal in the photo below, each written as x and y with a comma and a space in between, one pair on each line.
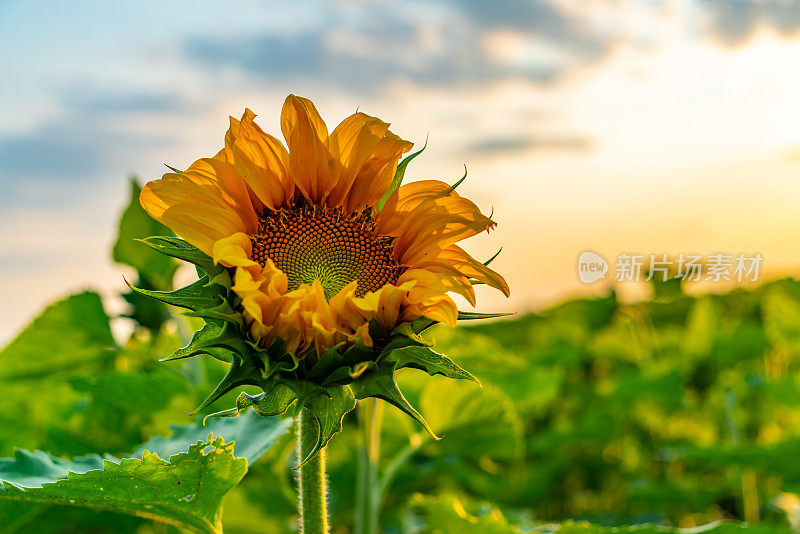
426, 217
260, 159
377, 173
311, 166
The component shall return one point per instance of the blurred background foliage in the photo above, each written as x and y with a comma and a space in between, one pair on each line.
681, 410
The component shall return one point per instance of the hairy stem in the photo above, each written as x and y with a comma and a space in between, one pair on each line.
367, 492
312, 484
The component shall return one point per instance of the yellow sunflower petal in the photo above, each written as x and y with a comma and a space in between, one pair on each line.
428, 216
352, 142
427, 298
234, 251
203, 204
377, 173
311, 167
458, 259
307, 321
260, 159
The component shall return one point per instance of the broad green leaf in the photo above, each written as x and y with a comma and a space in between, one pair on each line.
717, 527
196, 296
180, 249
185, 491
29, 469
252, 435
135, 224
330, 411
242, 372
69, 337
473, 422
446, 515
430, 361
141, 391
215, 339
381, 384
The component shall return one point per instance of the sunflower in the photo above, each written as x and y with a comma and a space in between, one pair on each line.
318, 238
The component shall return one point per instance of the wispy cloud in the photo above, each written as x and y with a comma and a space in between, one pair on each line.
508, 145
735, 22
364, 47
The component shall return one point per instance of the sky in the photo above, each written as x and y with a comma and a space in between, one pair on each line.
614, 126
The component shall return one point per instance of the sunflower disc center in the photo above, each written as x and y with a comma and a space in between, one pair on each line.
322, 244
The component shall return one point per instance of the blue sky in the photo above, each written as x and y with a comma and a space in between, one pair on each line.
657, 126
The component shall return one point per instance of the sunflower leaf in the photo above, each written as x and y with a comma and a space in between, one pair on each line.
196, 296
347, 374
398, 176
276, 402
469, 316
381, 384
180, 249
222, 311
242, 372
185, 491
430, 361
453, 187
251, 434
134, 223
330, 360
490, 260
422, 324
329, 411
214, 339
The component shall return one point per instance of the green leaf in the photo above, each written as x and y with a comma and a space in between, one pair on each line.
469, 316
215, 339
29, 469
398, 176
196, 296
252, 435
430, 361
185, 491
446, 515
328, 409
275, 402
135, 224
473, 422
381, 384
178, 248
781, 312
330, 412
242, 372
132, 392
70, 336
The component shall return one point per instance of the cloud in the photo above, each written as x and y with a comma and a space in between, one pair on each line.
109, 102
88, 142
734, 22
365, 47
526, 143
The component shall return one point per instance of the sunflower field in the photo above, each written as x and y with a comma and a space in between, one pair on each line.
676, 413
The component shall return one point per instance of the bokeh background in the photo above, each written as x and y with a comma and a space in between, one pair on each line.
646, 126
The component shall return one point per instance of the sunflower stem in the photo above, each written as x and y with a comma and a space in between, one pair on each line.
368, 496
312, 488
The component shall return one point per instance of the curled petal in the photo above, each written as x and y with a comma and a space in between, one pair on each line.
426, 217
260, 159
311, 166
